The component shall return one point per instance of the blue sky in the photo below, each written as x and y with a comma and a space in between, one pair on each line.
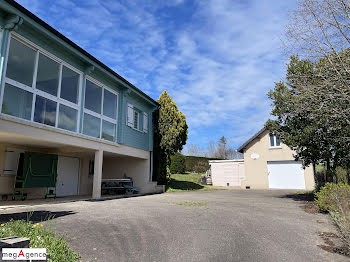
216, 58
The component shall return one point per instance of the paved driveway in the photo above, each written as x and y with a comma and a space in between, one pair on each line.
234, 226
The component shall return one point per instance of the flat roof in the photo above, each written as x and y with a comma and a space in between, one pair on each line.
225, 161
74, 45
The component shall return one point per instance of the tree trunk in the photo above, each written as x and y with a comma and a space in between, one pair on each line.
329, 172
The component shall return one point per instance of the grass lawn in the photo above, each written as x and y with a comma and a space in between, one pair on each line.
187, 182
40, 237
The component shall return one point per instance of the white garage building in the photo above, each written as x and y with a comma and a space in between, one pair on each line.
267, 164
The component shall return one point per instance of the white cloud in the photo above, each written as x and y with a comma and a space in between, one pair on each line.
217, 62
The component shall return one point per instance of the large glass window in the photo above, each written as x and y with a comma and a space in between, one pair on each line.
95, 120
91, 126
17, 102
109, 104
48, 75
70, 85
20, 63
108, 131
26, 63
54, 87
67, 118
93, 94
45, 111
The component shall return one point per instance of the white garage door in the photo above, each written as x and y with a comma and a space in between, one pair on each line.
67, 176
227, 172
286, 175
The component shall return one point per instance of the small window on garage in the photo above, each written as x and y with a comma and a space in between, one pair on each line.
274, 141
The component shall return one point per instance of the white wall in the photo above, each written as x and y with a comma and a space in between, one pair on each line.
225, 172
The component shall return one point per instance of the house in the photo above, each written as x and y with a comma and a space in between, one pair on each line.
61, 103
268, 164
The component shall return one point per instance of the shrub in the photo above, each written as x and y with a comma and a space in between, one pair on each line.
177, 165
325, 198
342, 175
335, 198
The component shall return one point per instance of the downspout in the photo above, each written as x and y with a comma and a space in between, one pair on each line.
11, 24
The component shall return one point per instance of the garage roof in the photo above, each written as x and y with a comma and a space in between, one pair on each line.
242, 147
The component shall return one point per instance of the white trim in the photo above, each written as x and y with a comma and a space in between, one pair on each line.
32, 89
145, 122
34, 84
130, 119
30, 44
225, 161
18, 84
4, 70
101, 116
92, 113
274, 141
80, 97
96, 82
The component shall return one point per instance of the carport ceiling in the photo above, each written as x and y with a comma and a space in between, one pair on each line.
25, 141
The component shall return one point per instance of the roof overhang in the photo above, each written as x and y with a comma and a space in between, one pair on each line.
242, 147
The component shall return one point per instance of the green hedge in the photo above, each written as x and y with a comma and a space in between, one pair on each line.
177, 165
194, 164
197, 164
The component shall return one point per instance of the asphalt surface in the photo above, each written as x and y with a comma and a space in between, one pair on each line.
230, 225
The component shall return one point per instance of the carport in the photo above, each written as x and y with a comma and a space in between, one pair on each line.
81, 165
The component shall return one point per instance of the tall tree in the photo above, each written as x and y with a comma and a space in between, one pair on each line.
301, 123
319, 30
170, 133
222, 147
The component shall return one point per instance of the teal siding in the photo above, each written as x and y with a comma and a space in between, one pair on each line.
55, 46
132, 137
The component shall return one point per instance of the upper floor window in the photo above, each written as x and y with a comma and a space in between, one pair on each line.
134, 120
21, 62
40, 88
100, 111
274, 141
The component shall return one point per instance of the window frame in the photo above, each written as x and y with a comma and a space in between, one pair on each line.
139, 112
274, 141
101, 116
32, 89
145, 123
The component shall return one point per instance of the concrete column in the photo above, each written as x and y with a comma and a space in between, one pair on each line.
96, 189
